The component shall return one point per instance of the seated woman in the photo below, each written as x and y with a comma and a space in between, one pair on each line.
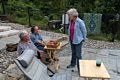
36, 38
25, 43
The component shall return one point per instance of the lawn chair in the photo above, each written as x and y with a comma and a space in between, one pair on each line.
34, 69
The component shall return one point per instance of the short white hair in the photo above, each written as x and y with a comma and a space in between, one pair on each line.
72, 12
22, 33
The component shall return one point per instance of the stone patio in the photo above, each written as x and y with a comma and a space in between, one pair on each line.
110, 58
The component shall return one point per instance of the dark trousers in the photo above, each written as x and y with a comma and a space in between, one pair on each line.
76, 53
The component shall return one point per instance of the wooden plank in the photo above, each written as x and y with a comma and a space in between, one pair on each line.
89, 69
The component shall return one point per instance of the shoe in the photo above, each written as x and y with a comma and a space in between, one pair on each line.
70, 66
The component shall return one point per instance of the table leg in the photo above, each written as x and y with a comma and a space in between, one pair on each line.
54, 57
86, 78
57, 66
89, 78
50, 55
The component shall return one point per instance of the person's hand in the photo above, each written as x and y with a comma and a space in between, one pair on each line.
84, 39
44, 43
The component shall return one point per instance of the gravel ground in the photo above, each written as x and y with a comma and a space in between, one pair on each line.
101, 44
6, 58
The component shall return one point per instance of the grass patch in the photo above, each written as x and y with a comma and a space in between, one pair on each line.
102, 37
24, 21
41, 23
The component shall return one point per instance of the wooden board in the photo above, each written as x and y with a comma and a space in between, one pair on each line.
88, 69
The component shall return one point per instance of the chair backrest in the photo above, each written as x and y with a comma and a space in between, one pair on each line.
32, 67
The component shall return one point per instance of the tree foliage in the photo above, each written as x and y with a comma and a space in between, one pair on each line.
47, 6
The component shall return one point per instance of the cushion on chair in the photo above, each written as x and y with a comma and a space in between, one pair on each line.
26, 57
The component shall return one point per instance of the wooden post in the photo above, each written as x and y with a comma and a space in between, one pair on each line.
64, 22
29, 15
3, 5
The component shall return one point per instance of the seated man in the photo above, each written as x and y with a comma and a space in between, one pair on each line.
36, 38
25, 43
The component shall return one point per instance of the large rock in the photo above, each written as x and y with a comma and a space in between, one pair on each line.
2, 76
118, 65
5, 28
115, 77
11, 78
103, 52
8, 33
13, 71
12, 39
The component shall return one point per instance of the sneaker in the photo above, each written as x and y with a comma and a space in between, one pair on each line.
70, 66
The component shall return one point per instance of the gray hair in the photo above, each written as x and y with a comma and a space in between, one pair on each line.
72, 12
22, 33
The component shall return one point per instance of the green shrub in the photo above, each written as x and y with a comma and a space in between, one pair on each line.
104, 37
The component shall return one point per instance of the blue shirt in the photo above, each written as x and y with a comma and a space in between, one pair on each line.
35, 38
80, 31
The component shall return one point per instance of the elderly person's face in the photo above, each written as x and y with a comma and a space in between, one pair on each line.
71, 17
25, 37
72, 13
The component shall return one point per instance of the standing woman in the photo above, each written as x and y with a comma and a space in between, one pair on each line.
77, 34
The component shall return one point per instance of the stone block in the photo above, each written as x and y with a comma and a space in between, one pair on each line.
2, 76
13, 71
8, 33
5, 28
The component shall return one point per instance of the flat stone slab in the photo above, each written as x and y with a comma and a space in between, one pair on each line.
13, 71
2, 76
5, 28
7, 40
110, 58
65, 61
8, 33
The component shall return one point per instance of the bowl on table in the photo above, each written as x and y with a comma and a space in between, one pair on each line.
53, 44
